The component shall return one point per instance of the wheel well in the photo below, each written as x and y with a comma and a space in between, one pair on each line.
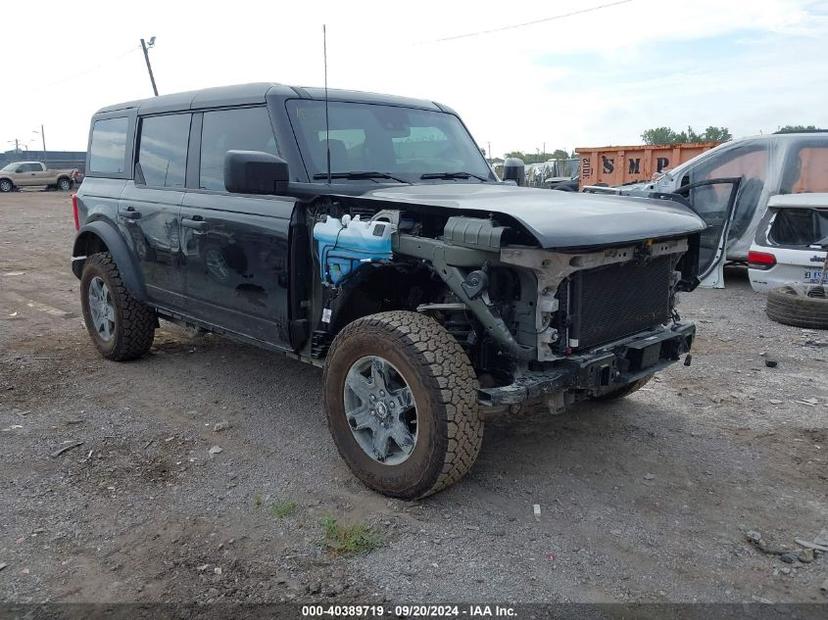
86, 244
381, 288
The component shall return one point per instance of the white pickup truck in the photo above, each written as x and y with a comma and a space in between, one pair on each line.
35, 173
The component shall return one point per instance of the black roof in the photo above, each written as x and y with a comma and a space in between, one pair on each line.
245, 94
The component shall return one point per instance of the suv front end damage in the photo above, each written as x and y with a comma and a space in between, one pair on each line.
544, 327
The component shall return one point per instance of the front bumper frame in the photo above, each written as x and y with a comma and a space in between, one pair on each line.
599, 370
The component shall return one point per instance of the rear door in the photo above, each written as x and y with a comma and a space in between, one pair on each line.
235, 247
43, 175
150, 207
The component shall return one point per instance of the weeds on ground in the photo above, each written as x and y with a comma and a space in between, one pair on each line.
283, 509
349, 539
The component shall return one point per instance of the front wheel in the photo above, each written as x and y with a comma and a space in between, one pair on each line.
401, 402
6, 185
121, 327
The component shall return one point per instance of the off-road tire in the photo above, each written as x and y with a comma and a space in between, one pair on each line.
624, 390
442, 380
135, 322
791, 305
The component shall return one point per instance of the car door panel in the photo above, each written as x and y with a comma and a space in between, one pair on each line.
714, 201
235, 256
27, 176
149, 220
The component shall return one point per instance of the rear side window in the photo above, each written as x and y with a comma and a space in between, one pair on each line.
108, 150
162, 153
799, 227
246, 129
806, 170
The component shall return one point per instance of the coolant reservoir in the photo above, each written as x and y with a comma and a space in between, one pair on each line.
344, 245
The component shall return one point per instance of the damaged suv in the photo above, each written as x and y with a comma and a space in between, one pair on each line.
367, 235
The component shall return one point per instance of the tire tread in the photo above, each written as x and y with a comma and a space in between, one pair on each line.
440, 357
136, 322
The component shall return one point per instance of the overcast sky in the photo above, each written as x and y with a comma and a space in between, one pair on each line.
596, 78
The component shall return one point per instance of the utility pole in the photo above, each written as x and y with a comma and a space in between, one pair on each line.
42, 133
144, 47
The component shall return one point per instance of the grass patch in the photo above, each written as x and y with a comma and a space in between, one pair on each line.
349, 539
280, 510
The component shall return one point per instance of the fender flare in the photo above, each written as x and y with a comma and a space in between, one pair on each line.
117, 247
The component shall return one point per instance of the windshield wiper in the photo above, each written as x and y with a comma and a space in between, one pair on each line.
359, 174
452, 175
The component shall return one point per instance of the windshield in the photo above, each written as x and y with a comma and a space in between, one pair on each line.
404, 142
9, 167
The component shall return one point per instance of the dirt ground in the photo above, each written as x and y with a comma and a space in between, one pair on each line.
647, 499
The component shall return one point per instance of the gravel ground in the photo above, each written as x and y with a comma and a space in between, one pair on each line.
647, 499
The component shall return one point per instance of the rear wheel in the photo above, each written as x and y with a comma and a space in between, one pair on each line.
64, 184
121, 327
401, 402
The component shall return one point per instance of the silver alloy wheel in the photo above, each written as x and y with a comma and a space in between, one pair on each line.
64, 184
6, 185
381, 410
101, 309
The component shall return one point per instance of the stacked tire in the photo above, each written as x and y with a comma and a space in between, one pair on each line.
799, 305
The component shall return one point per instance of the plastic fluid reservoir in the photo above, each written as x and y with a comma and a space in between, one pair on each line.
344, 245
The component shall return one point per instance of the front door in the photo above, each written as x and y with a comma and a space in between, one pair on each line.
150, 207
713, 200
27, 175
235, 250
234, 247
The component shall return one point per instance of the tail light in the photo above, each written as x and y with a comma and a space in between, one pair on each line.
761, 260
75, 215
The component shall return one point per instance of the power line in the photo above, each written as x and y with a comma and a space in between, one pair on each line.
531, 23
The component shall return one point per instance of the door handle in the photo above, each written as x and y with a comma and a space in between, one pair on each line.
197, 224
131, 214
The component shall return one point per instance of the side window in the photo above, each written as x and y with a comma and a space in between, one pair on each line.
749, 162
246, 129
107, 152
162, 153
806, 169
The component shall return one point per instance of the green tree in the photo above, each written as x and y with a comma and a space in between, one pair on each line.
536, 158
799, 129
716, 134
667, 135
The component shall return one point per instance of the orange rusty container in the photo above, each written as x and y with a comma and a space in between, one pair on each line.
619, 165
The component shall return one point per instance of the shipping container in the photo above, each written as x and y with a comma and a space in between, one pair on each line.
621, 165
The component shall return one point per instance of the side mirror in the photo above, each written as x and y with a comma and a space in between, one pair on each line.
254, 172
514, 170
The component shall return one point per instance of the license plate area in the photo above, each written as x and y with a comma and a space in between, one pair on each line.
813, 276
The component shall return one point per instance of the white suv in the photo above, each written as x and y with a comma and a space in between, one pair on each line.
791, 242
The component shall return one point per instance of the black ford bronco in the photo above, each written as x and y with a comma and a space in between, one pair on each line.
367, 235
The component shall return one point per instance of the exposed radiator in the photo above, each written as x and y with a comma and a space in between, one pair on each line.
609, 303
